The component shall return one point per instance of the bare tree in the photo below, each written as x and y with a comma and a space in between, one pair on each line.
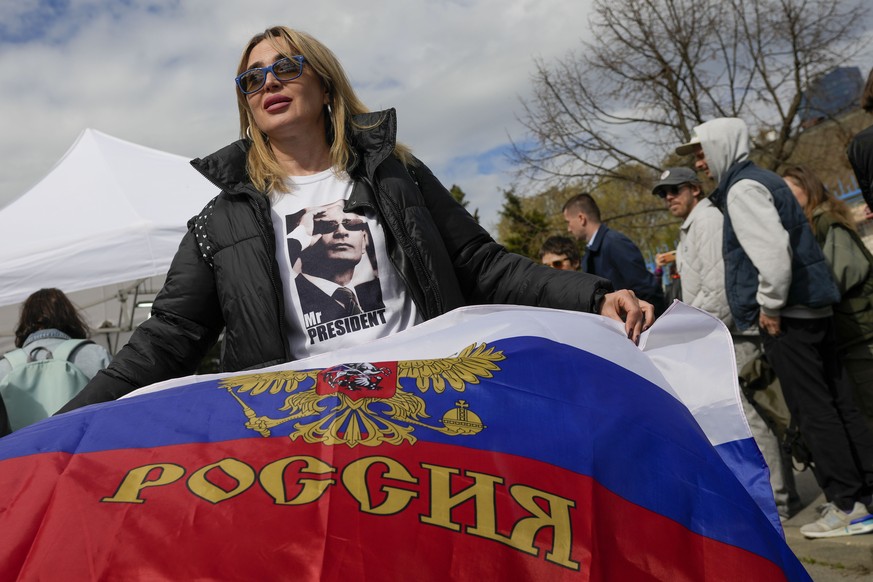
657, 68
525, 222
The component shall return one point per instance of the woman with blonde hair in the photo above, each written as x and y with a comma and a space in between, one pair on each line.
852, 264
308, 144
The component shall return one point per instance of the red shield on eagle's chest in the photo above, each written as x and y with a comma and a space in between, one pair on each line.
359, 380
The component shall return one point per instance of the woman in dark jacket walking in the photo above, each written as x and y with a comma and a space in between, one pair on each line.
852, 265
326, 233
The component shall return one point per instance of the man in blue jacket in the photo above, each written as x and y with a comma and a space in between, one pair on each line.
611, 254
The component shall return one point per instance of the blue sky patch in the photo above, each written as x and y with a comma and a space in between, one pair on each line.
492, 161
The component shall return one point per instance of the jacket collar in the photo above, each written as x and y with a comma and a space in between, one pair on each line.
598, 239
698, 209
372, 137
50, 333
226, 168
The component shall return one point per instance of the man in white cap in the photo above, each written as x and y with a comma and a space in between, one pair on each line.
701, 270
776, 277
702, 280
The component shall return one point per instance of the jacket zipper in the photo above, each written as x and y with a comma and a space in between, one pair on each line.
373, 209
403, 238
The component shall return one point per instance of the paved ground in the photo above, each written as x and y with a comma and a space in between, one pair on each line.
840, 559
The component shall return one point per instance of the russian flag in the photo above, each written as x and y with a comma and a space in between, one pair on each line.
493, 443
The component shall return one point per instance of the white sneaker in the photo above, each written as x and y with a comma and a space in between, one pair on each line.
835, 522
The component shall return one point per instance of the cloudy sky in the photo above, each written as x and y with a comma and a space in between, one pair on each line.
160, 73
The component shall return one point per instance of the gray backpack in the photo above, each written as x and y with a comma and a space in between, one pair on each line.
36, 388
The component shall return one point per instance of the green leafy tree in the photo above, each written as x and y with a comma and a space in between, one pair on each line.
461, 198
522, 227
526, 221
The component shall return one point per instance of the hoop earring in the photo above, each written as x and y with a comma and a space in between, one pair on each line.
249, 132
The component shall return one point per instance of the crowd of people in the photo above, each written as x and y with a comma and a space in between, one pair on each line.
779, 260
324, 218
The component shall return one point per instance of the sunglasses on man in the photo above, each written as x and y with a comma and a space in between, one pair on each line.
331, 226
671, 190
285, 69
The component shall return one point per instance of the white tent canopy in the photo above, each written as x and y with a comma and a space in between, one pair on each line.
103, 225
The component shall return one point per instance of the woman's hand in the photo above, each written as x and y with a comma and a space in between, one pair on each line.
624, 306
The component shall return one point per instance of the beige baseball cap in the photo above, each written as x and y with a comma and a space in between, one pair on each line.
688, 148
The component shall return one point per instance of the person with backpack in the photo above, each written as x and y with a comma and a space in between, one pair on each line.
851, 264
53, 362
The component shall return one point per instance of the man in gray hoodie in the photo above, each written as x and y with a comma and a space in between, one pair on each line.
701, 268
776, 278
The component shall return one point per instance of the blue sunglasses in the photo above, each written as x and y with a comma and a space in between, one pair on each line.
285, 69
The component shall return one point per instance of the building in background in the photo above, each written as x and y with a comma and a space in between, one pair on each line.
830, 116
832, 95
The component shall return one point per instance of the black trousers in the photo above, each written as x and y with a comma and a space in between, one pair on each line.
819, 395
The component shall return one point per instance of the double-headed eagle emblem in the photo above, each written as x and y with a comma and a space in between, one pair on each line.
366, 403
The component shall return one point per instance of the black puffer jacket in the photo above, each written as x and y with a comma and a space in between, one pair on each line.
225, 275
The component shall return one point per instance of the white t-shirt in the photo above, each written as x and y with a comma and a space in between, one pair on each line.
339, 285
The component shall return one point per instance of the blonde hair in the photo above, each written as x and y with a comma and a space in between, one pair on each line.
263, 167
